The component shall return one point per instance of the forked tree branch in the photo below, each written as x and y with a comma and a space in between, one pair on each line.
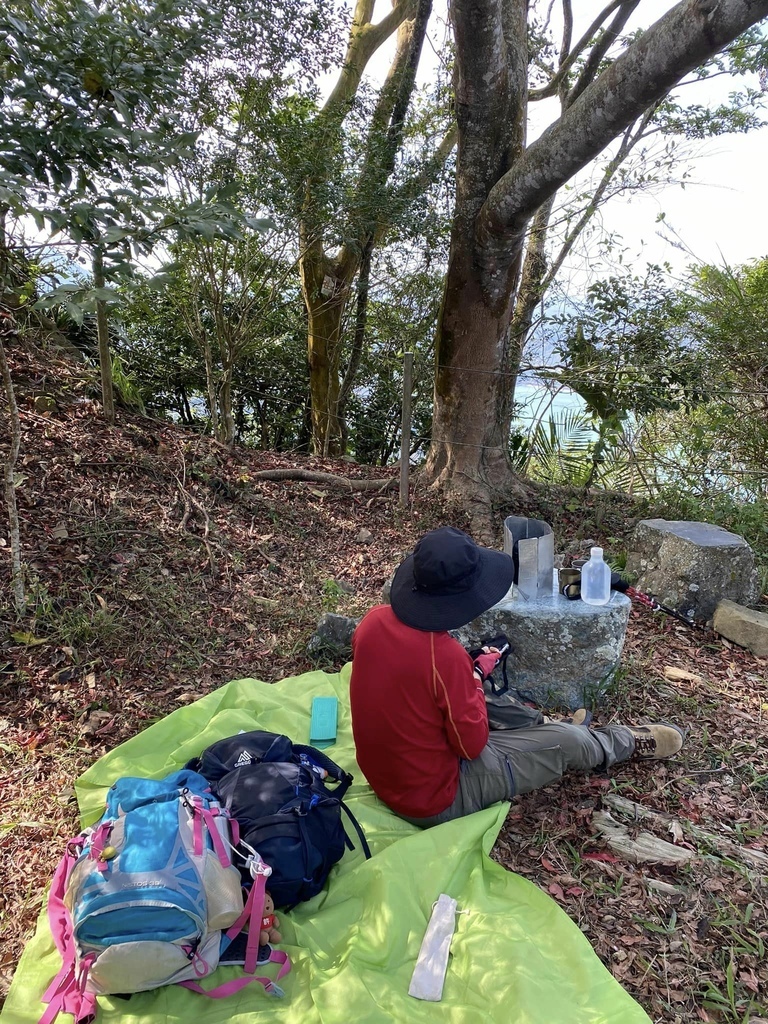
681, 40
365, 38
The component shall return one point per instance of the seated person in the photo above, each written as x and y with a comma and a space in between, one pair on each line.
419, 713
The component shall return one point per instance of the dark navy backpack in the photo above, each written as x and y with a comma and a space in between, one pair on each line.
277, 792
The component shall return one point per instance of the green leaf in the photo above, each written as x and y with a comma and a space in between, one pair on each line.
159, 281
261, 223
729, 983
29, 639
115, 234
75, 312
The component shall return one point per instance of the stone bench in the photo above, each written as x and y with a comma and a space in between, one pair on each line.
747, 627
692, 566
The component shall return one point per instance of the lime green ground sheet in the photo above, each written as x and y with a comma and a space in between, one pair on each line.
516, 957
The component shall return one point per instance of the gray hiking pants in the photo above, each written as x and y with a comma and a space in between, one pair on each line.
523, 754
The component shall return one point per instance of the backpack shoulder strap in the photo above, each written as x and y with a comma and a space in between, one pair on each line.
229, 988
359, 830
66, 993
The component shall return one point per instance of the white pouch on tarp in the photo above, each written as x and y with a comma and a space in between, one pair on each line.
432, 963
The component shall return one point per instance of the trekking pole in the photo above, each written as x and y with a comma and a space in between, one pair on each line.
650, 602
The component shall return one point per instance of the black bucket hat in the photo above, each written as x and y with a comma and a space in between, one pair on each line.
448, 580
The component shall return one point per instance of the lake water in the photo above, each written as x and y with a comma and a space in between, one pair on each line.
535, 401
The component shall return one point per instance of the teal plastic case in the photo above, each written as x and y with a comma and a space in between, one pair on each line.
322, 726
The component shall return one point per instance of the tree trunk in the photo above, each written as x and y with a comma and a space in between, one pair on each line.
470, 427
185, 410
369, 210
102, 333
226, 414
227, 427
501, 185
324, 297
210, 382
358, 341
468, 456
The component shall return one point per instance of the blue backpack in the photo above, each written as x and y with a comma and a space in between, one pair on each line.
149, 896
276, 791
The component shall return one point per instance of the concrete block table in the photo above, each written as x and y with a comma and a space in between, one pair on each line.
564, 653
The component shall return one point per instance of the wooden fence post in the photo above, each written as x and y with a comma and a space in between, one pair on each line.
405, 427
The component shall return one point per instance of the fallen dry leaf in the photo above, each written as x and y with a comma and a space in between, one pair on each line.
680, 675
677, 831
195, 630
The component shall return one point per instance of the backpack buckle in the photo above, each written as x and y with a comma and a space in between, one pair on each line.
254, 863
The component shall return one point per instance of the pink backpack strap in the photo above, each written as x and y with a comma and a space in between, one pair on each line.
99, 840
203, 815
218, 844
237, 984
253, 911
66, 993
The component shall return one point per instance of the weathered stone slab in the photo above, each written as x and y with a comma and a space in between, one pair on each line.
692, 566
332, 638
564, 653
746, 627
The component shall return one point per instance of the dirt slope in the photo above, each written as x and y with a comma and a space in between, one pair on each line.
161, 567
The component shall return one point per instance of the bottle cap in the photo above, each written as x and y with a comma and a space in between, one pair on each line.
597, 552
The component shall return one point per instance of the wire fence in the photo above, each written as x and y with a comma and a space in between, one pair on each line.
524, 417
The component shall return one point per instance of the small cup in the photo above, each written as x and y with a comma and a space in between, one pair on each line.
569, 576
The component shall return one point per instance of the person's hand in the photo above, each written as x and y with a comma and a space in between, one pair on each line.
486, 663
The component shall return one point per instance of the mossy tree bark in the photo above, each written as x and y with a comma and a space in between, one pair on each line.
327, 279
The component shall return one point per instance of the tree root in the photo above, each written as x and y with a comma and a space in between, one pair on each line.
312, 476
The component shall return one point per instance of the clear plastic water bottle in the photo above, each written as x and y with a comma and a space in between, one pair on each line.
596, 579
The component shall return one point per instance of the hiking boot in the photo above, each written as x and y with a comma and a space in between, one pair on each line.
581, 717
657, 741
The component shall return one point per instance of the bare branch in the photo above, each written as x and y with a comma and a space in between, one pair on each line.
681, 40
569, 59
565, 48
630, 140
325, 478
600, 49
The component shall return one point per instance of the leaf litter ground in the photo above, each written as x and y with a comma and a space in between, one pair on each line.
161, 568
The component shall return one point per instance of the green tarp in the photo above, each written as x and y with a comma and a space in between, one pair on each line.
516, 956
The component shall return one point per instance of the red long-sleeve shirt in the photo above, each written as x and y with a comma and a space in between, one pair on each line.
417, 709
